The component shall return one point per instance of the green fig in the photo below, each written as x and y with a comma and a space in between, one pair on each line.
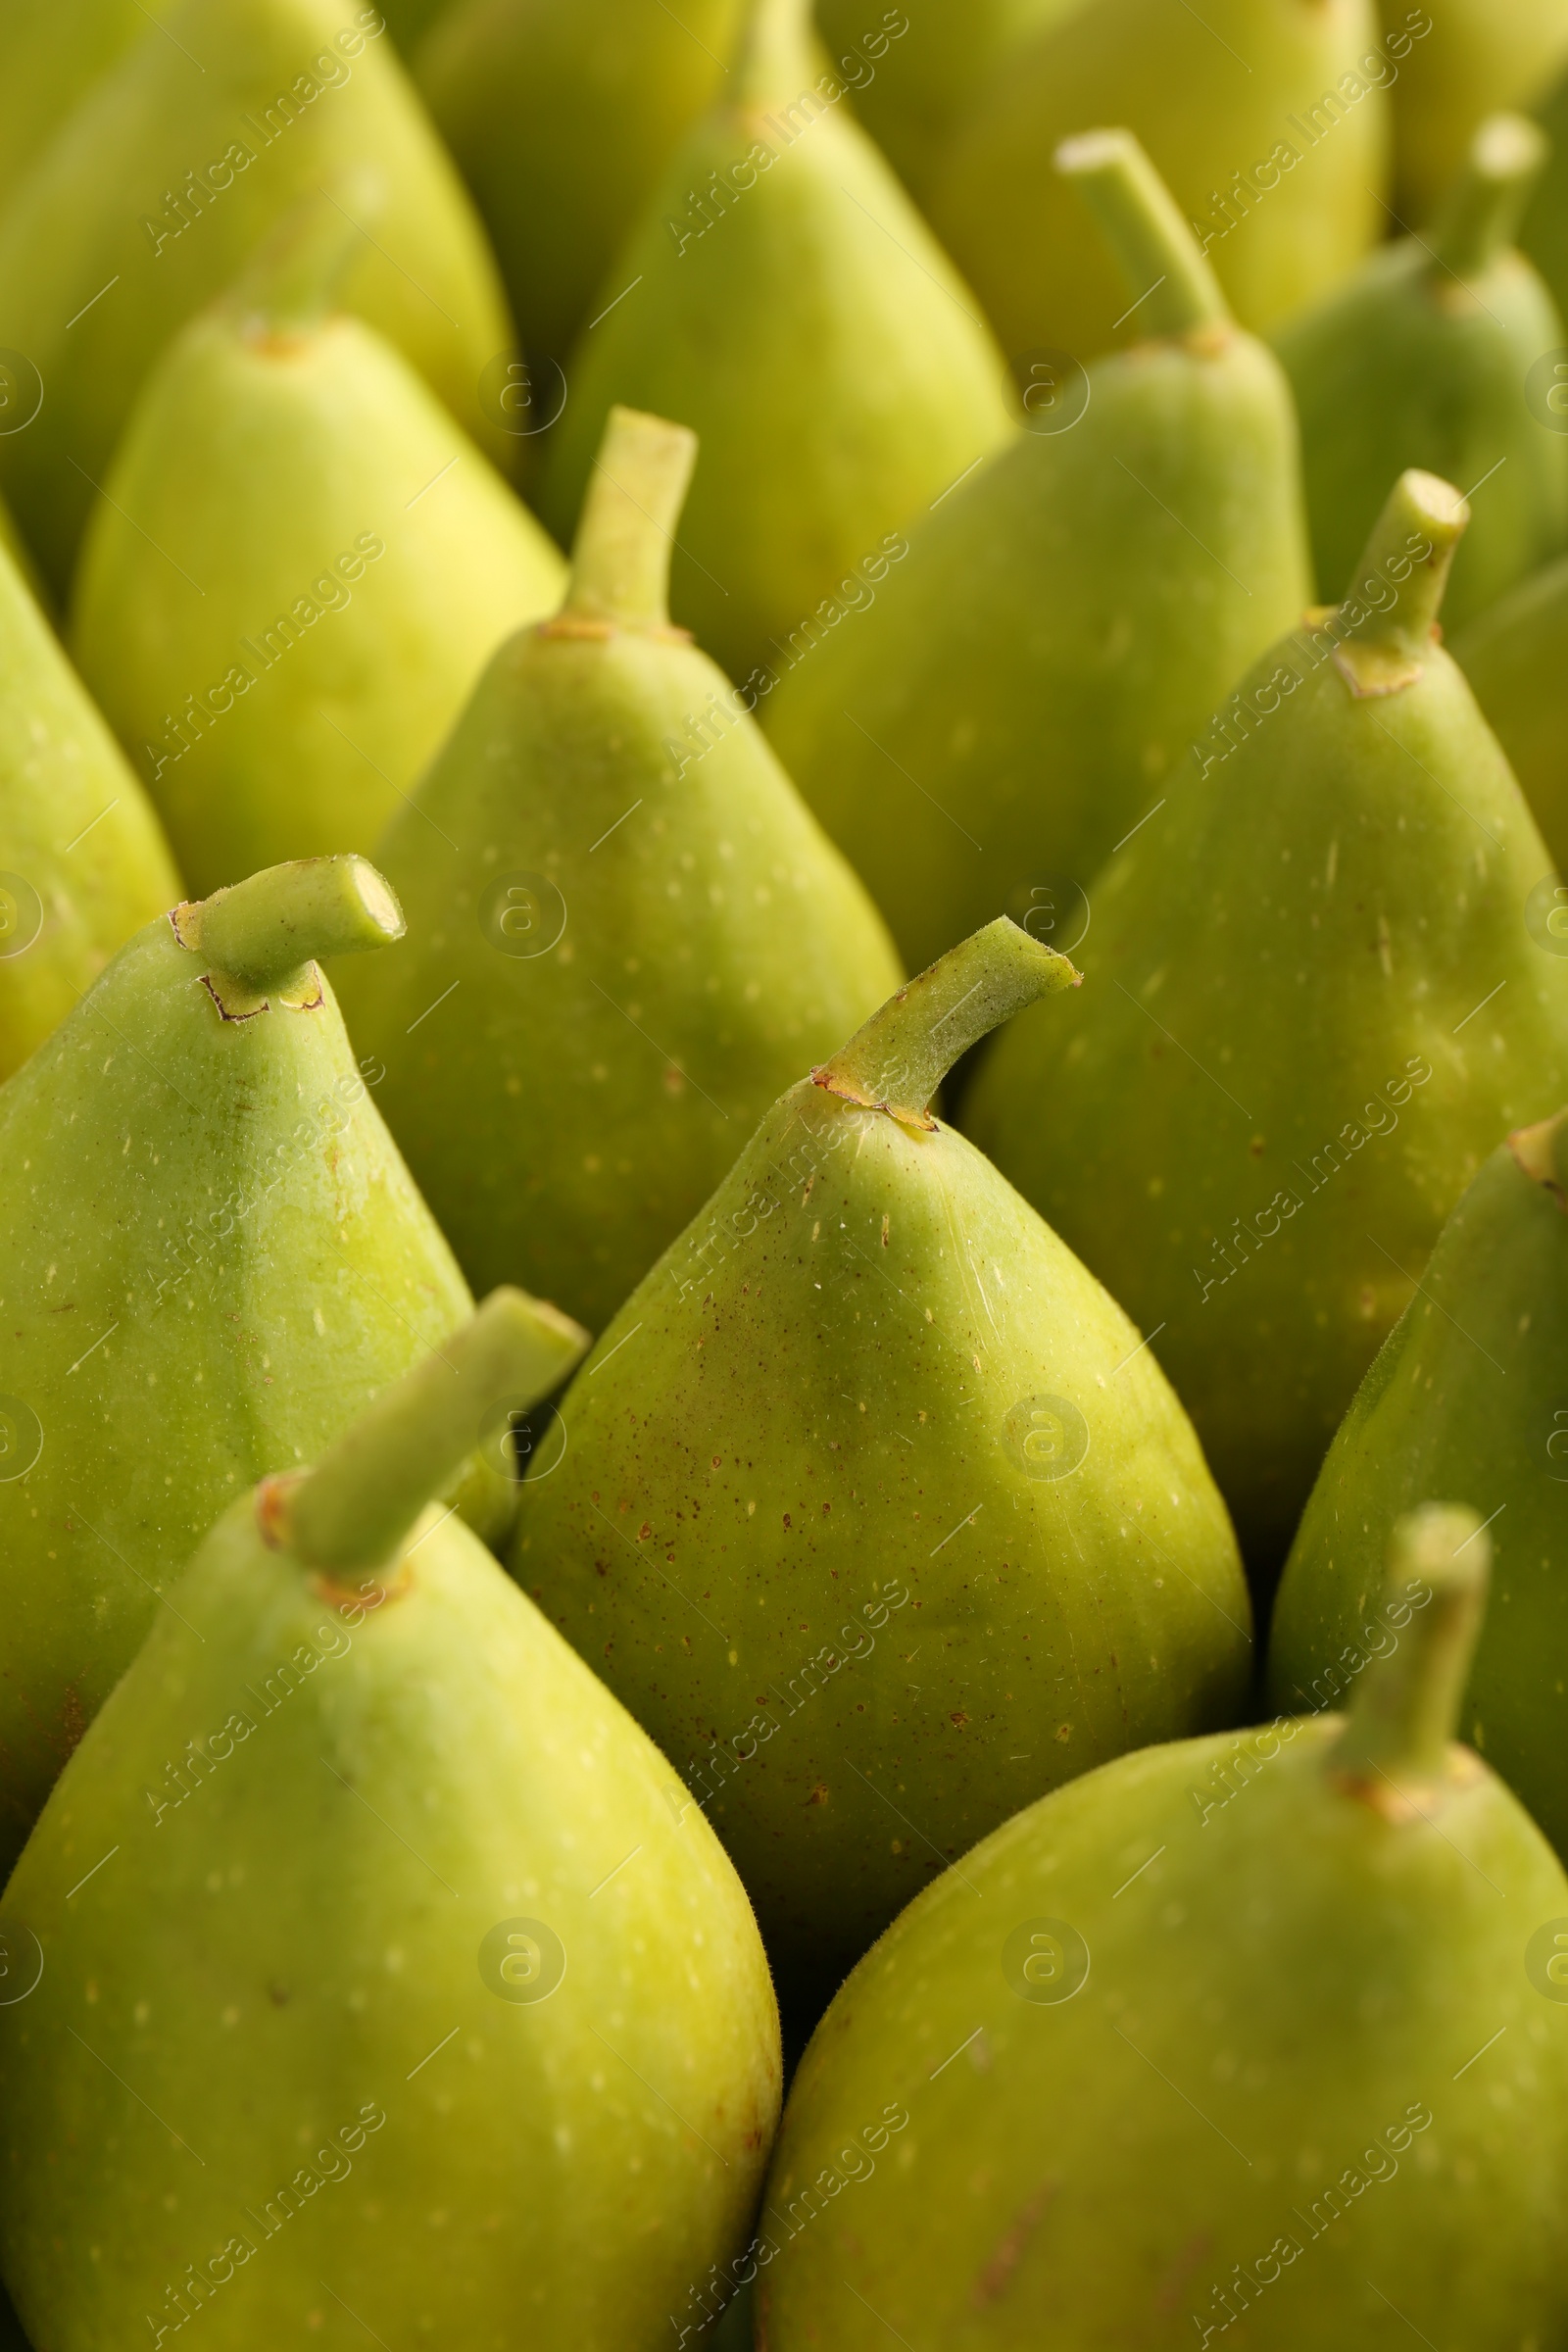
1515, 655
628, 933
1268, 122
410, 20
1303, 2080
561, 120
83, 860
1315, 1010
1469, 59
868, 1418
284, 654
914, 96
53, 55
158, 186
1417, 360
1464, 1397
211, 1255
781, 296
352, 1807
994, 712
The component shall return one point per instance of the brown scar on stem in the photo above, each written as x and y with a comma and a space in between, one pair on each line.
997, 2276
583, 624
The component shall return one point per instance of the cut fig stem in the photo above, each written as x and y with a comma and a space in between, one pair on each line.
1406, 1705
264, 931
621, 557
1173, 288
1481, 217
357, 1506
773, 62
1403, 574
898, 1058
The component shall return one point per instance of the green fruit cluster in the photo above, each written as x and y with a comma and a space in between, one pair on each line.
783, 1175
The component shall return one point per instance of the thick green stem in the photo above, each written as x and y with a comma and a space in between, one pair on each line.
1406, 1707
620, 556
357, 1507
901, 1056
1173, 288
264, 931
773, 58
292, 281
1400, 582
1481, 216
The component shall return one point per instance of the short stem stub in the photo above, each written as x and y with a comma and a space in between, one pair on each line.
1482, 213
896, 1062
1392, 606
620, 556
1406, 1707
1172, 288
356, 1508
773, 56
292, 282
263, 933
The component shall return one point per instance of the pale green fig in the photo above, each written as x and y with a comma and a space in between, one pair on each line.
408, 2002
1464, 1399
1314, 1008
1252, 2041
1515, 655
211, 1256
871, 1505
916, 73
53, 55
562, 119
284, 653
1267, 120
157, 188
1459, 64
83, 860
978, 723
628, 934
782, 297
1419, 359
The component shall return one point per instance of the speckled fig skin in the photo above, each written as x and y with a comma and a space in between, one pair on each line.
1308, 2093
211, 1256
1465, 1398
1311, 1005
1418, 359
310, 1960
875, 1512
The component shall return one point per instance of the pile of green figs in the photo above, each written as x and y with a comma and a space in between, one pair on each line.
783, 1175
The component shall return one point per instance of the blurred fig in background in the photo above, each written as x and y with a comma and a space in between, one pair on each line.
1267, 120
980, 727
783, 298
1429, 355
298, 569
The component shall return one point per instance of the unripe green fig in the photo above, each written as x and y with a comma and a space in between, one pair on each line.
1313, 1006
871, 1505
53, 55
628, 934
406, 2001
1459, 64
211, 1256
157, 188
1515, 655
781, 296
916, 73
284, 654
1255, 2040
1462, 1398
979, 728
83, 860
562, 119
1266, 118
1418, 359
